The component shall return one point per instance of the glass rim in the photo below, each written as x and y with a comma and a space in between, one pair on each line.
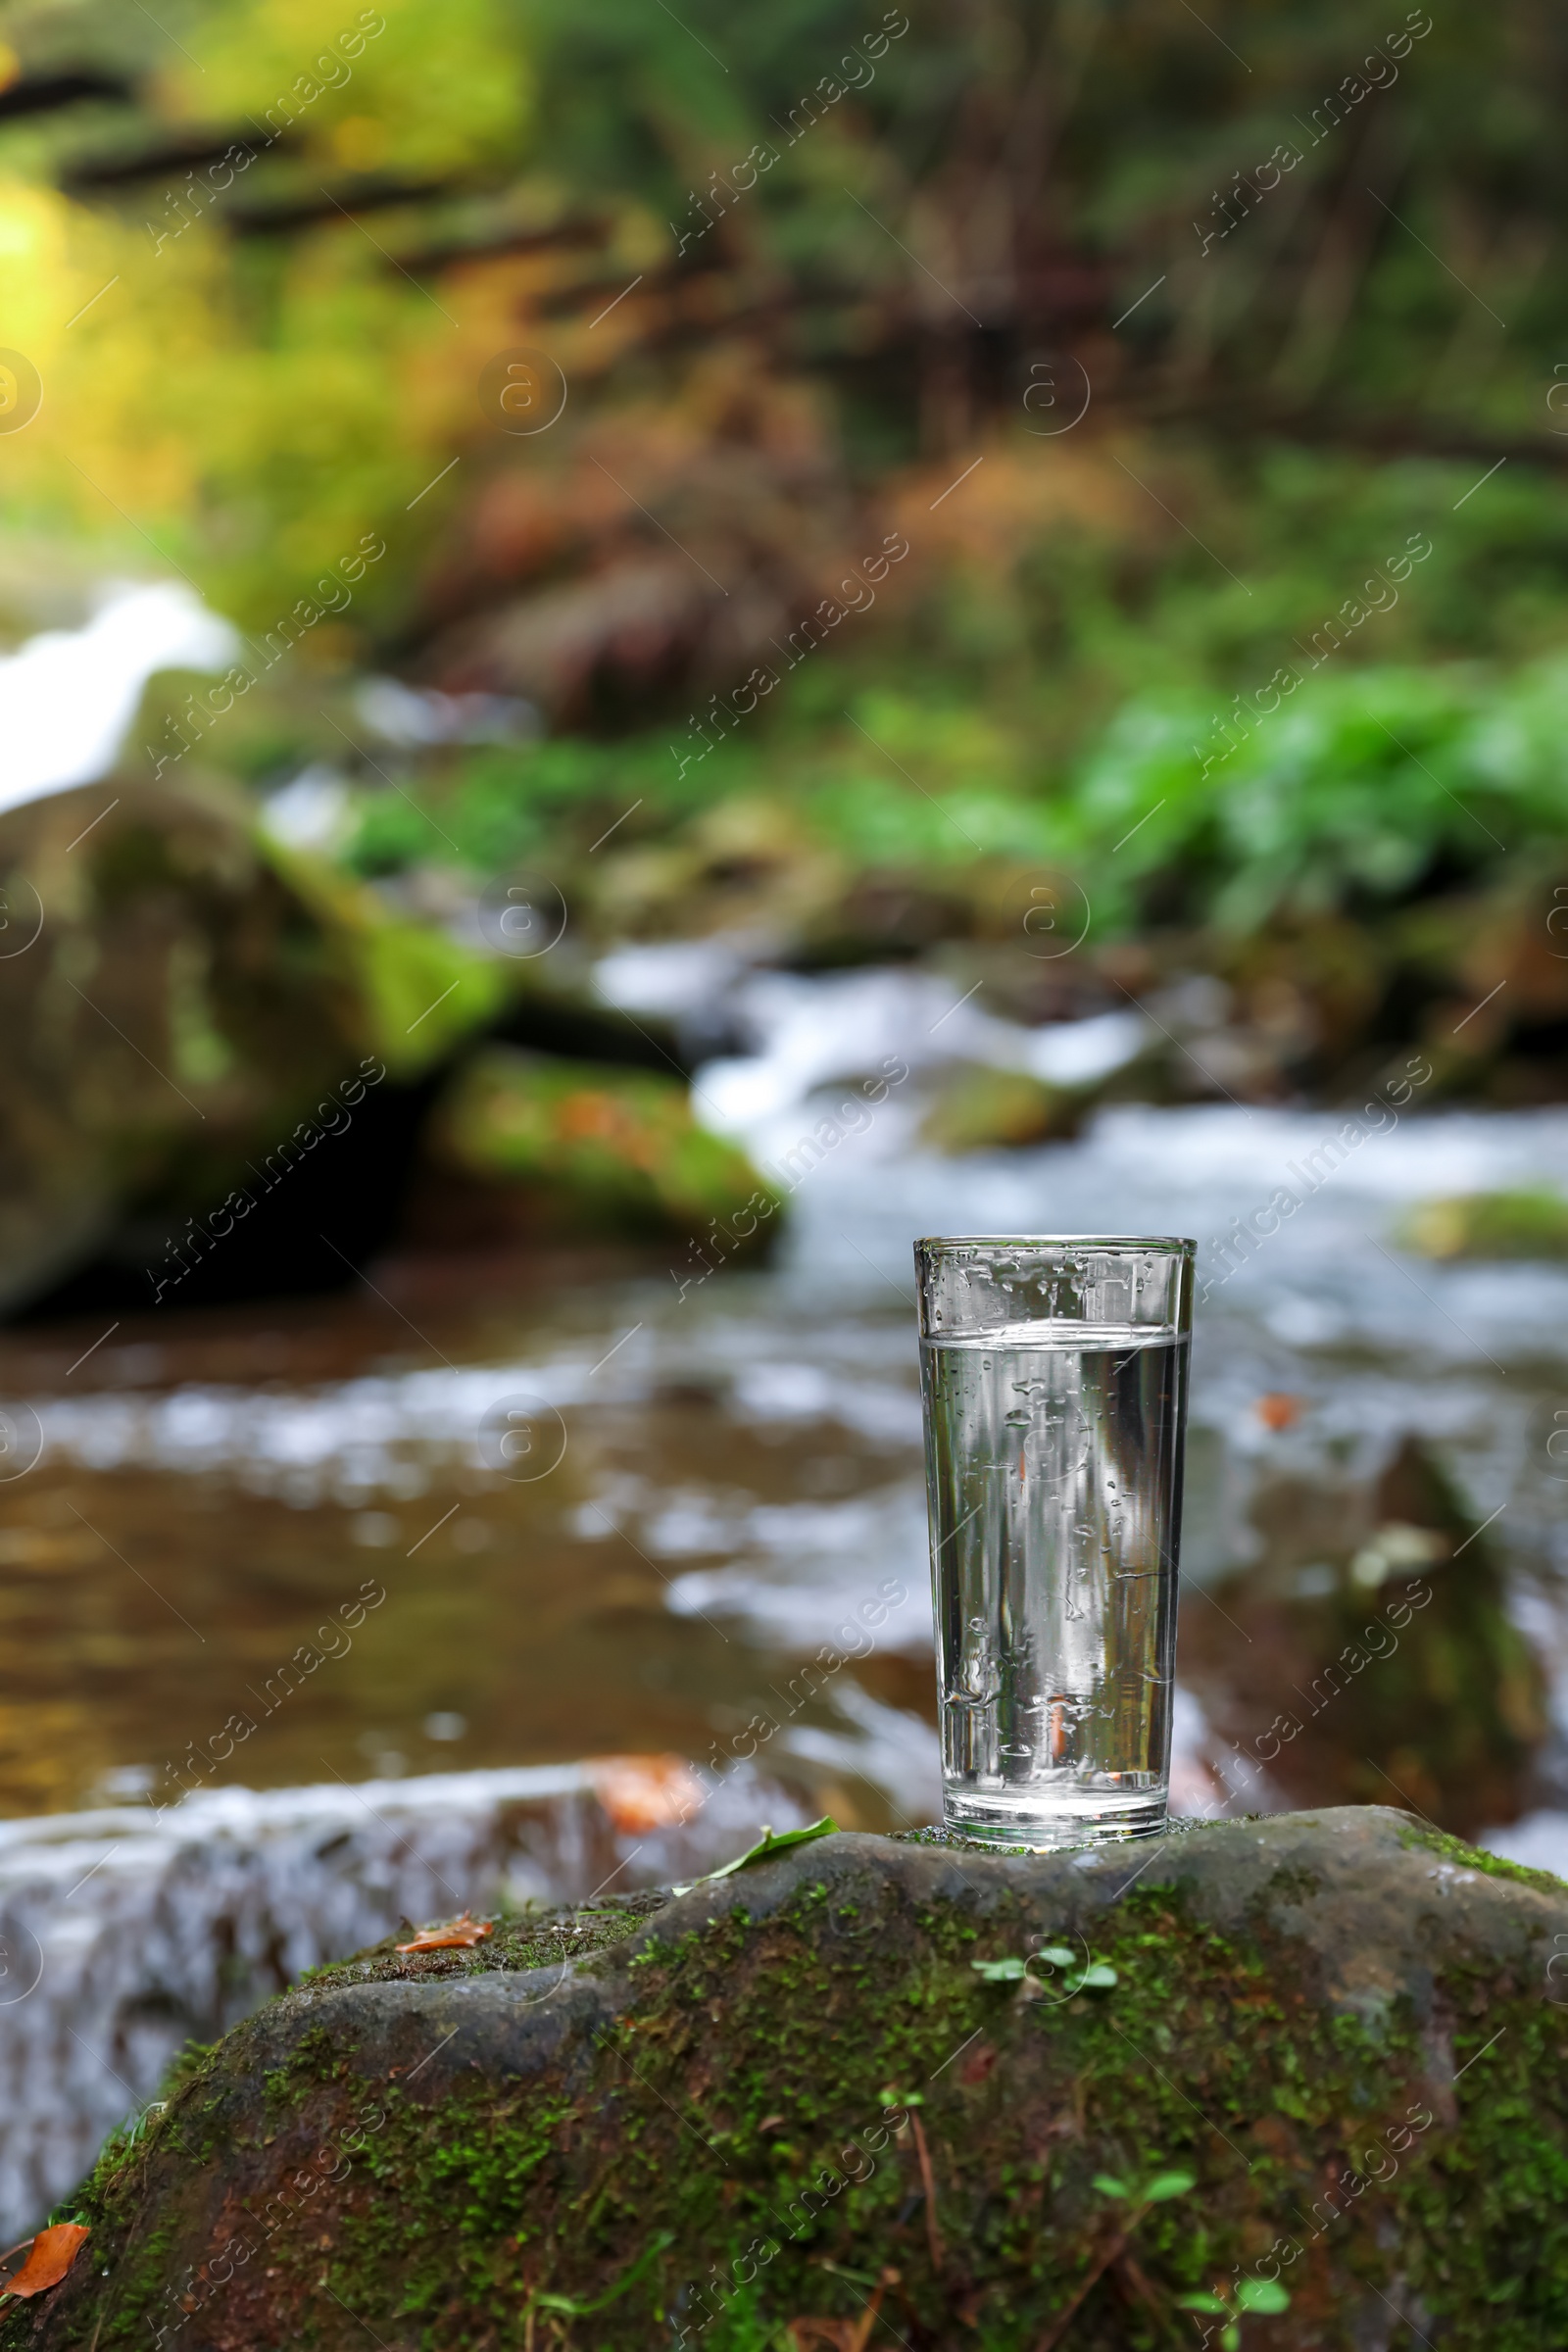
1174, 1243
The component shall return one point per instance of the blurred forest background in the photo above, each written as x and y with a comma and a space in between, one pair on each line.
1071, 494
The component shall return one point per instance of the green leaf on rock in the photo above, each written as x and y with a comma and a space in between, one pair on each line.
1109, 2186
1169, 2185
1199, 2302
771, 1841
1000, 1972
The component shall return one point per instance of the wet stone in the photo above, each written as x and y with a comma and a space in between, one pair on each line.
1006, 2099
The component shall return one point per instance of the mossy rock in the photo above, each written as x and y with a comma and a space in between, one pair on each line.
177, 994
1381, 1656
979, 1110
416, 991
169, 1011
585, 1148
1488, 1225
793, 2093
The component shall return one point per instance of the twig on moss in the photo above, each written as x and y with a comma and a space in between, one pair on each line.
1129, 2275
933, 2227
873, 2309
1110, 2253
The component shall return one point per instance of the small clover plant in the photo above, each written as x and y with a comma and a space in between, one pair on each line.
1262, 2295
1154, 2191
1090, 1976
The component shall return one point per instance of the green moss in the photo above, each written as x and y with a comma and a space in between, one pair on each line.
538, 1937
1476, 1857
191, 2064
418, 993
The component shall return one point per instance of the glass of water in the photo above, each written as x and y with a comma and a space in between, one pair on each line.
1053, 1371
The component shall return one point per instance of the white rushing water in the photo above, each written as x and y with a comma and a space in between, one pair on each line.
68, 696
125, 1936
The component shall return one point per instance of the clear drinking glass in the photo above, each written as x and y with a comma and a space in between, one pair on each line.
1054, 1370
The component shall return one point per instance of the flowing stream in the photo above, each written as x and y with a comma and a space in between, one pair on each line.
259, 1559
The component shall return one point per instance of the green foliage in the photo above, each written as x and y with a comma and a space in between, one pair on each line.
262, 380
1353, 793
444, 85
254, 376
500, 807
1361, 792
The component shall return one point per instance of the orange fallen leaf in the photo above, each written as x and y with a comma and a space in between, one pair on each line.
456, 1935
645, 1792
51, 2255
1278, 1412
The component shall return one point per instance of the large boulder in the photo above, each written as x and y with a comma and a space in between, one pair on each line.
186, 1010
997, 2099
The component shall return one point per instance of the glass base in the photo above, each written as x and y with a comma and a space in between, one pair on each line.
1087, 1817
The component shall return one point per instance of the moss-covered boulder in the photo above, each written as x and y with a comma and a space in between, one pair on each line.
1531, 1223
180, 1001
974, 1109
1000, 2098
558, 1148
